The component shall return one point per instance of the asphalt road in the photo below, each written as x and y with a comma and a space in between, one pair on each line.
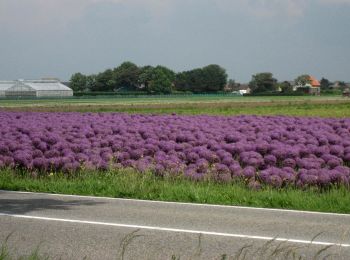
76, 227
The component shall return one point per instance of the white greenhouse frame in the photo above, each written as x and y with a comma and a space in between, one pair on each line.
34, 88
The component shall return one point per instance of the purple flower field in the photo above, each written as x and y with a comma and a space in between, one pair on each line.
275, 150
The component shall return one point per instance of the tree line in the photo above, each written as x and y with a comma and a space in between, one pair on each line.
266, 83
156, 80
129, 77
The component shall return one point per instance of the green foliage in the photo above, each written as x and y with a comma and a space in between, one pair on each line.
145, 76
302, 80
160, 80
286, 87
275, 94
331, 92
190, 81
263, 82
100, 94
325, 83
104, 81
156, 80
215, 78
78, 82
90, 82
209, 79
126, 76
342, 85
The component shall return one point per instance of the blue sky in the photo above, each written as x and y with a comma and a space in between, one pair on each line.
55, 38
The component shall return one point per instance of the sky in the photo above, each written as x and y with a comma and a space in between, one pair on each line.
56, 38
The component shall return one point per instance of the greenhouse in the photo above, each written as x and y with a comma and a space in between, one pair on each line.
34, 88
5, 85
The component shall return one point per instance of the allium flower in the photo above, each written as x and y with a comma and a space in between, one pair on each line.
192, 157
275, 181
236, 170
337, 150
254, 185
71, 142
202, 165
22, 158
270, 160
289, 163
40, 164
249, 172
159, 170
221, 173
4, 150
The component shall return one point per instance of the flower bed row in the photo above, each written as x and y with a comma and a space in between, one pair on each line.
274, 150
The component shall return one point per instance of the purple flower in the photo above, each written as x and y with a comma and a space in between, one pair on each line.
222, 173
249, 172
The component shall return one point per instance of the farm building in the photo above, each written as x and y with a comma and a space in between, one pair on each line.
5, 85
313, 87
34, 88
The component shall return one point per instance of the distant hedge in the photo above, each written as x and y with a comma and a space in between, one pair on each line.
101, 93
141, 93
275, 94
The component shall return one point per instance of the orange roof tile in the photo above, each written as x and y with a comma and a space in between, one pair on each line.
314, 82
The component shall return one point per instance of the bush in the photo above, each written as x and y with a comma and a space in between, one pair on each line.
102, 93
275, 94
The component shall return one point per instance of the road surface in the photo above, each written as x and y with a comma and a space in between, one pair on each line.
77, 227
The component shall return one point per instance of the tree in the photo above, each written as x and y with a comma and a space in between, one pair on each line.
78, 82
160, 80
263, 82
104, 81
230, 86
182, 82
302, 80
342, 85
157, 80
211, 78
214, 78
91, 82
168, 72
126, 76
286, 87
325, 84
191, 81
145, 76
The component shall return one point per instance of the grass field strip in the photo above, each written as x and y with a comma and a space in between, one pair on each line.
188, 231
179, 203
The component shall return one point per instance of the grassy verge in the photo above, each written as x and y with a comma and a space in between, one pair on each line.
322, 108
162, 100
128, 184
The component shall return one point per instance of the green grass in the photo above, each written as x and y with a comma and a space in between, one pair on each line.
128, 184
319, 110
161, 100
292, 106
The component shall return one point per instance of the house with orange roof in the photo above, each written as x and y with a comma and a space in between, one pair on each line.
312, 86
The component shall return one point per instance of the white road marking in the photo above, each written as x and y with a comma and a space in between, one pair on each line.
280, 239
181, 203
